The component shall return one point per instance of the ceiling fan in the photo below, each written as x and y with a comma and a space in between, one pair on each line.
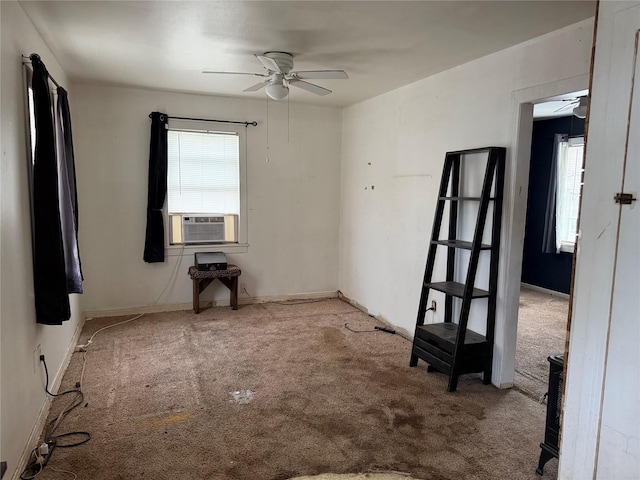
579, 105
279, 76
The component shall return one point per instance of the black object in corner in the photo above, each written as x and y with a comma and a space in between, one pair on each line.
3, 468
551, 445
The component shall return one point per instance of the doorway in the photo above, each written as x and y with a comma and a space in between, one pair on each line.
555, 174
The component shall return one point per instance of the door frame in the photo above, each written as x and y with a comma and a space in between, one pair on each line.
514, 217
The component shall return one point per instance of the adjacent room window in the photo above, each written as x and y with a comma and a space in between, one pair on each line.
569, 169
205, 190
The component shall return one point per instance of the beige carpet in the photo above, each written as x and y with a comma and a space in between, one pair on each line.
357, 476
542, 329
273, 392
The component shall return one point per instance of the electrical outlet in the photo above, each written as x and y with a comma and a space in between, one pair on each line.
433, 305
36, 358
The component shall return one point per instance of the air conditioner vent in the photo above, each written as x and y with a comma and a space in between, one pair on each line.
203, 229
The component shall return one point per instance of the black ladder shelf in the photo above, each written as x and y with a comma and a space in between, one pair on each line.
450, 347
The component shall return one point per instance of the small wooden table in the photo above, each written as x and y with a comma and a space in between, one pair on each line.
202, 279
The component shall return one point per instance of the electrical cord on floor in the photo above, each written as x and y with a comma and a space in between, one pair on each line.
81, 348
300, 302
40, 455
53, 425
64, 471
84, 364
346, 325
35, 466
382, 329
377, 328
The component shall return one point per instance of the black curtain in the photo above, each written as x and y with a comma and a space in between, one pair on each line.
50, 281
549, 235
68, 193
154, 238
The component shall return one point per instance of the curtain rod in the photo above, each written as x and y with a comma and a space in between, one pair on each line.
27, 60
246, 124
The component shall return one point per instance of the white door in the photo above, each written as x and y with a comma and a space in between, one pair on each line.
601, 422
619, 452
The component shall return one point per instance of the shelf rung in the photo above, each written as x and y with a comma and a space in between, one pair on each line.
460, 244
456, 289
473, 199
459, 153
447, 333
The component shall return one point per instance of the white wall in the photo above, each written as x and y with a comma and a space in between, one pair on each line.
601, 423
22, 396
293, 199
397, 143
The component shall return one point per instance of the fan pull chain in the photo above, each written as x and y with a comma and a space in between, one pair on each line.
288, 121
267, 159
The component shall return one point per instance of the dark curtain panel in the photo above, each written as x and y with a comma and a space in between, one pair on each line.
549, 235
68, 194
50, 281
154, 238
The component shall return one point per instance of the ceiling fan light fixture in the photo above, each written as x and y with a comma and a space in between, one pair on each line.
581, 110
277, 91
280, 74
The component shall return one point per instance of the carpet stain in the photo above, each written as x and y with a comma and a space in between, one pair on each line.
171, 419
333, 337
327, 400
475, 411
402, 404
462, 408
377, 413
458, 429
414, 421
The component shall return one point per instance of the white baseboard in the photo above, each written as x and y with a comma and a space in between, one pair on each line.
506, 385
171, 307
121, 312
545, 290
281, 298
41, 420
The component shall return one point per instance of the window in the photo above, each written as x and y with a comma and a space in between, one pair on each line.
569, 165
205, 187
31, 139
32, 121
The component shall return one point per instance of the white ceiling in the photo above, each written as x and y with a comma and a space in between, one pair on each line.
382, 45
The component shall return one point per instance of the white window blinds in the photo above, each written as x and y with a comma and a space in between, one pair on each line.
570, 155
203, 173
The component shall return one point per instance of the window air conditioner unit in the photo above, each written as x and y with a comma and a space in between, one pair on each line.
203, 229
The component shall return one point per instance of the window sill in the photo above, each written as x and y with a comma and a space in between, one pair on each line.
176, 250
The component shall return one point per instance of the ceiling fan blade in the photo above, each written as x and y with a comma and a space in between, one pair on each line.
237, 73
309, 87
269, 63
566, 106
257, 86
322, 75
